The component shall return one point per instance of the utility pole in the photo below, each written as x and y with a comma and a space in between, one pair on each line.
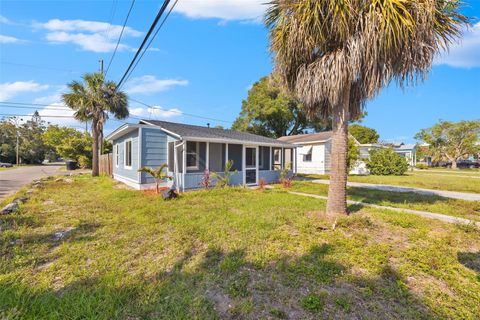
101, 133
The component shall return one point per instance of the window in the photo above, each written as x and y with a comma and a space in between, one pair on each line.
307, 157
277, 158
117, 155
128, 154
192, 155
171, 157
264, 158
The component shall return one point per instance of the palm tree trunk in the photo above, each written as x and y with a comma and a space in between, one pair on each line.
337, 191
95, 134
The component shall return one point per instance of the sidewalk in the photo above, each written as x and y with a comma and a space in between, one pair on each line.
429, 192
425, 214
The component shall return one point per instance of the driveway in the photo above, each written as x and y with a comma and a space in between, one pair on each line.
13, 179
428, 192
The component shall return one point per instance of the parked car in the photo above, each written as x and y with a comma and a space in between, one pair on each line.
5, 165
463, 164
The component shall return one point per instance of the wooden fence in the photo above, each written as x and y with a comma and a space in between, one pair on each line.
106, 164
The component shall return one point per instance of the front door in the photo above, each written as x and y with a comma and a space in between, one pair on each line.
251, 165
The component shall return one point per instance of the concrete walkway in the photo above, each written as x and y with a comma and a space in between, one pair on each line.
428, 192
425, 214
12, 180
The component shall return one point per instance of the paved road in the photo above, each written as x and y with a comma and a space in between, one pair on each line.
429, 192
13, 179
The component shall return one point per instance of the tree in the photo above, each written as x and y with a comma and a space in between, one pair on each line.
8, 136
31, 147
69, 144
353, 153
335, 55
269, 111
363, 134
157, 174
93, 100
451, 140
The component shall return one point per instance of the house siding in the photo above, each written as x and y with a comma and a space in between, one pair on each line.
318, 163
328, 157
154, 151
120, 171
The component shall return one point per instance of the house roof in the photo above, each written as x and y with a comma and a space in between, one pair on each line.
405, 147
187, 131
307, 138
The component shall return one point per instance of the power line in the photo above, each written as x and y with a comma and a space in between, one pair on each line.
151, 40
120, 37
181, 112
22, 105
152, 27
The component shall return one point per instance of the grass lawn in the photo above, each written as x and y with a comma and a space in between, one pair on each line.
453, 207
422, 179
233, 253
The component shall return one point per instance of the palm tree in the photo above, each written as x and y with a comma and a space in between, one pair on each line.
157, 174
335, 55
93, 100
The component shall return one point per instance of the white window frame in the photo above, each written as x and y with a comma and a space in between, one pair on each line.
117, 155
125, 154
197, 155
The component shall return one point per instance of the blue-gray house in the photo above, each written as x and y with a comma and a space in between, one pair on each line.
190, 150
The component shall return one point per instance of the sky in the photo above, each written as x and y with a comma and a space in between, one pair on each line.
200, 66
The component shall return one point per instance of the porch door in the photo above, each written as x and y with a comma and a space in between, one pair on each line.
251, 165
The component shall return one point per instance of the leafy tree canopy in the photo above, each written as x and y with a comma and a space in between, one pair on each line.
270, 111
364, 134
451, 140
69, 143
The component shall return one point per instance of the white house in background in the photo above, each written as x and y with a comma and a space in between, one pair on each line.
313, 153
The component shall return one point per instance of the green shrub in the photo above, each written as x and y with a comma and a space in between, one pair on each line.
314, 302
386, 162
421, 166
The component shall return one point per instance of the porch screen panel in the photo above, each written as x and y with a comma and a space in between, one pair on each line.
288, 156
216, 157
171, 157
264, 158
202, 157
235, 154
180, 157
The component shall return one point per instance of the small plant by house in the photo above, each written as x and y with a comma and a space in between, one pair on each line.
223, 180
157, 174
262, 184
285, 177
386, 162
206, 181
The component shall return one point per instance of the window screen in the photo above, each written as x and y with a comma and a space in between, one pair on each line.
216, 157
264, 158
288, 156
171, 157
235, 154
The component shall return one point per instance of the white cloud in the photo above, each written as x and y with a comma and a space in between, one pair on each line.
156, 112
4, 20
62, 115
51, 98
89, 35
8, 39
150, 84
11, 89
223, 9
465, 54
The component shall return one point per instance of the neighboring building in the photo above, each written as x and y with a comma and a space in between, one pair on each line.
195, 148
408, 151
313, 151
